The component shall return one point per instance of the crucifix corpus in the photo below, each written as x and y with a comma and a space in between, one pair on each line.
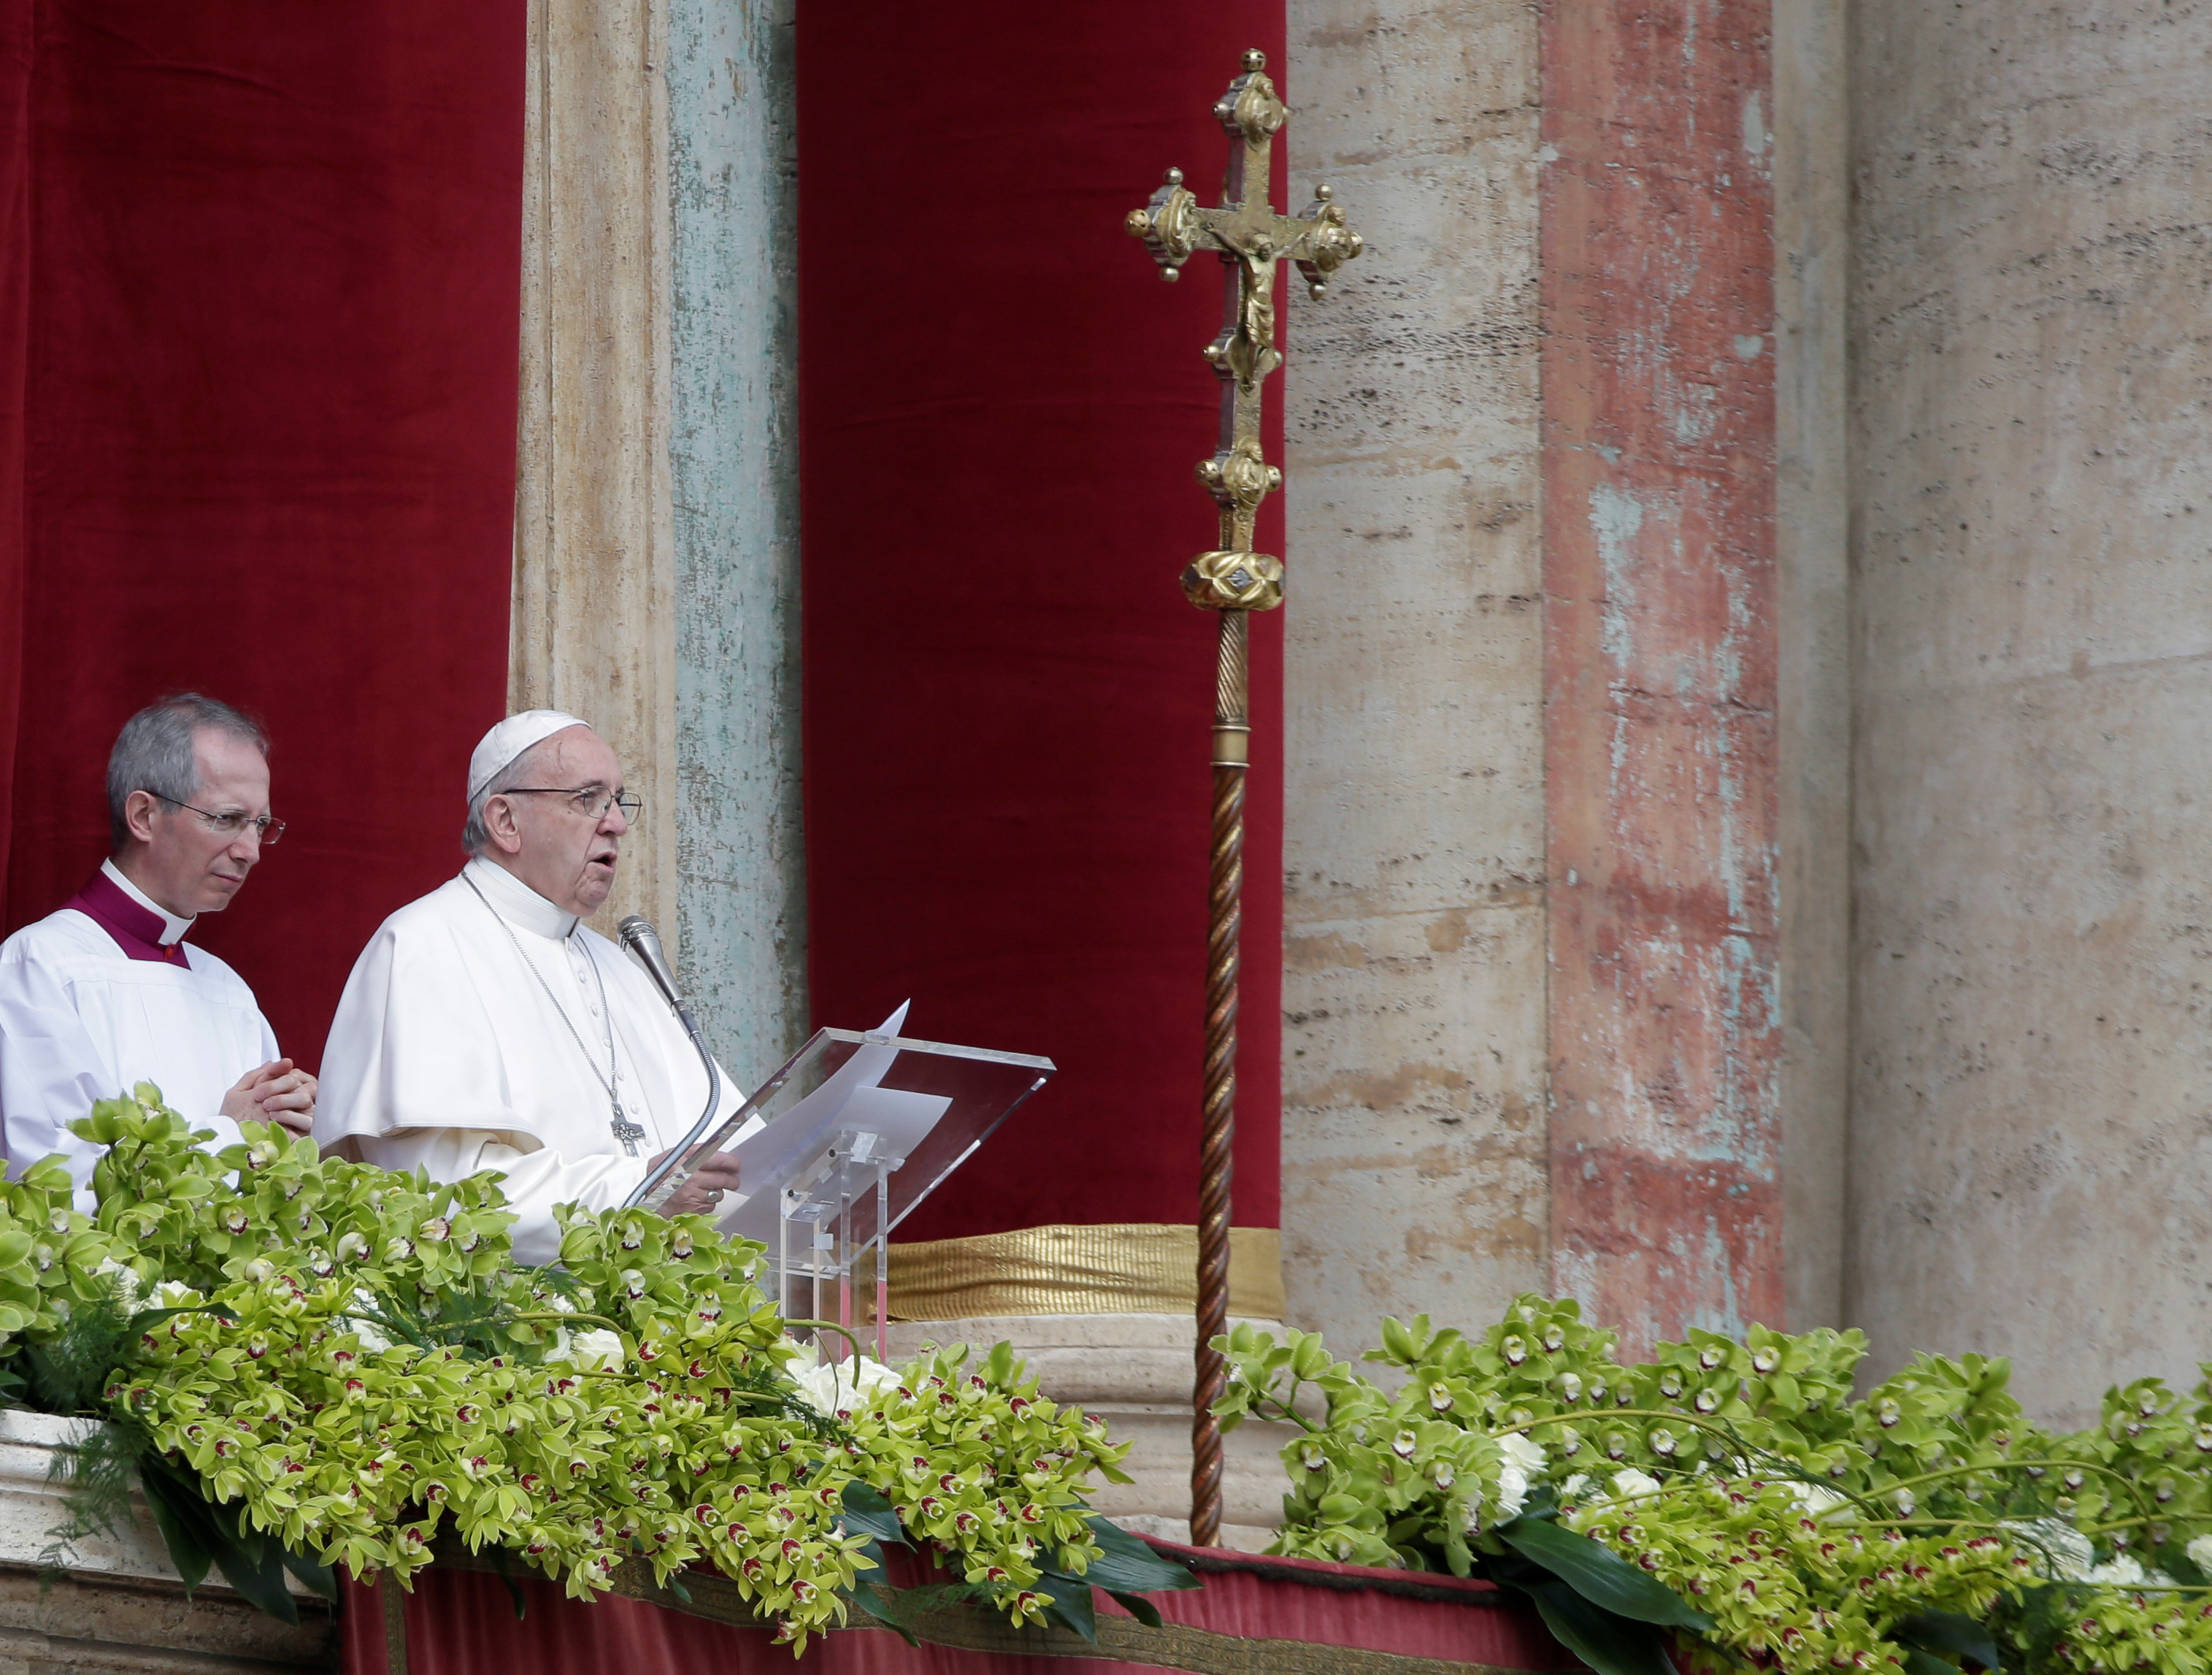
1233, 581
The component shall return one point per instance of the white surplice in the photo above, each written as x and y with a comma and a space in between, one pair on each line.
81, 1021
449, 1054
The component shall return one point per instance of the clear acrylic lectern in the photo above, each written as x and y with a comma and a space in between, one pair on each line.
857, 1130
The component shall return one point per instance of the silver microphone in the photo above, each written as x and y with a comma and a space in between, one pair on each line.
642, 942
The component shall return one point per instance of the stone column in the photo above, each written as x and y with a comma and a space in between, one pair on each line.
1660, 751
1812, 676
735, 465
1565, 892
2033, 501
657, 520
594, 565
1414, 1137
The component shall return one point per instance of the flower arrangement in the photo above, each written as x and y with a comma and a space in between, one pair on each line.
310, 1363
1731, 1503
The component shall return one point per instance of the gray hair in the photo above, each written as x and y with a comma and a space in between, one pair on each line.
157, 752
476, 835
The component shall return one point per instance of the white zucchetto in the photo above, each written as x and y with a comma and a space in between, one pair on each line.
507, 741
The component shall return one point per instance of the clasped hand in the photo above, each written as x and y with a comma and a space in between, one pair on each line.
279, 1092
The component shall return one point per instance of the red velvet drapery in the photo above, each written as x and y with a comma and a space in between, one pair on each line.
259, 287
463, 1623
1007, 701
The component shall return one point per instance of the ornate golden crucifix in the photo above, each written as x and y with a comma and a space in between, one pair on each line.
1233, 580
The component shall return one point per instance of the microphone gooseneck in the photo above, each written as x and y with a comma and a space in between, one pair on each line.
643, 943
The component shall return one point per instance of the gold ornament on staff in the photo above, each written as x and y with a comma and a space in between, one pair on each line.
1249, 238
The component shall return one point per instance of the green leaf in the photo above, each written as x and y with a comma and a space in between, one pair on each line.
1071, 1603
192, 1560
1601, 1575
1917, 1662
1137, 1606
878, 1602
1948, 1631
248, 1563
866, 1513
1397, 1342
1610, 1644
1128, 1566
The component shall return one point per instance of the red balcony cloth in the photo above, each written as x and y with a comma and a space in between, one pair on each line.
259, 329
463, 1623
1008, 704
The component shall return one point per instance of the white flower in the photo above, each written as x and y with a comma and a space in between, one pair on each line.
2058, 1552
2200, 1553
1512, 1491
2124, 1571
1630, 1484
1814, 1498
589, 1350
127, 1288
371, 1339
1523, 1452
830, 1385
1575, 1487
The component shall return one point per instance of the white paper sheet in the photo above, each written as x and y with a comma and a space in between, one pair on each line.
772, 1154
901, 1119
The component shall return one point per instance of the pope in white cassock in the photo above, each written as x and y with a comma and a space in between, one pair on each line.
105, 993
485, 1027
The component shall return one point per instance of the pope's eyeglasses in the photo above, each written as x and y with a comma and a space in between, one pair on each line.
592, 801
267, 828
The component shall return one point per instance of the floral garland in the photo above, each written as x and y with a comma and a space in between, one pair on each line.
346, 1359
1730, 1500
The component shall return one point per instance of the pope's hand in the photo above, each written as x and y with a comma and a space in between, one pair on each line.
701, 1195
279, 1092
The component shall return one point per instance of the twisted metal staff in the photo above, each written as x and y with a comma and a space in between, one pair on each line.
1233, 581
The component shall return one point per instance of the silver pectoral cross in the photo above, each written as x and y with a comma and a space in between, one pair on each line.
626, 1131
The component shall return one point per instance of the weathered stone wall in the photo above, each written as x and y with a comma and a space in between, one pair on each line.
594, 568
735, 452
1414, 1060
119, 1607
2032, 333
1661, 769
1813, 668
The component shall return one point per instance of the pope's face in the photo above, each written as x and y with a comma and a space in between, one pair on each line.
564, 846
185, 864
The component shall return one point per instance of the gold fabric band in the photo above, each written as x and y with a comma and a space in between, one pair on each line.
1124, 1268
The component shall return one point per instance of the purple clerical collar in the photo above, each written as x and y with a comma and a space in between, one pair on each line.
137, 929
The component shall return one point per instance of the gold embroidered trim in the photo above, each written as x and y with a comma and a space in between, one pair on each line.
1124, 1268
1176, 1646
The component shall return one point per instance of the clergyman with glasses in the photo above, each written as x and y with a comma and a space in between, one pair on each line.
486, 1026
105, 992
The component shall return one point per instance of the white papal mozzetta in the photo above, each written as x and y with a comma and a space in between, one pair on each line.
485, 1026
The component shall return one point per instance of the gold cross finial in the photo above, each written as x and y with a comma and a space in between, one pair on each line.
1250, 238
1233, 582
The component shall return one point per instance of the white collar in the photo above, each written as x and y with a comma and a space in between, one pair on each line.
173, 928
516, 902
